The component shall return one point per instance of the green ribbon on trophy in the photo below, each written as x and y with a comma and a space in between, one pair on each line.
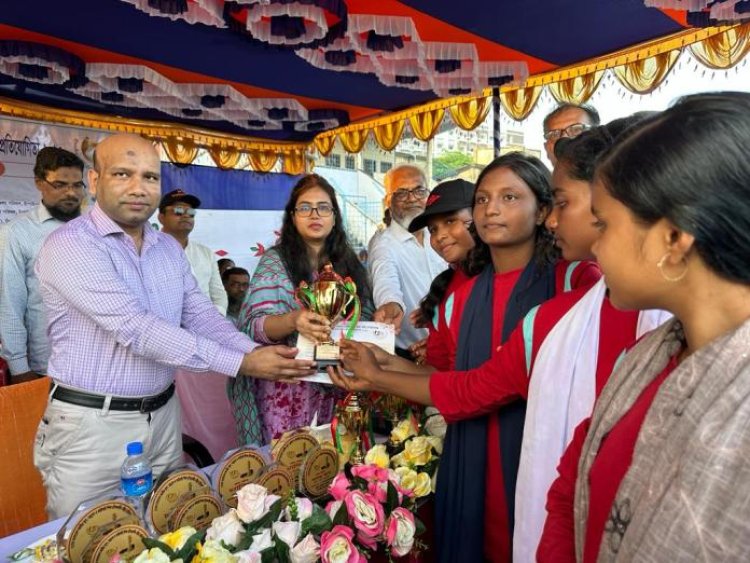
334, 298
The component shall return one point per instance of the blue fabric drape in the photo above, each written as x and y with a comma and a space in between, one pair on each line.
229, 189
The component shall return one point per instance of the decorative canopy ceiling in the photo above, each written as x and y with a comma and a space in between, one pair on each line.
286, 70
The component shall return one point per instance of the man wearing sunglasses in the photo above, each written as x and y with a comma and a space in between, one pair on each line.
402, 264
567, 120
58, 175
177, 211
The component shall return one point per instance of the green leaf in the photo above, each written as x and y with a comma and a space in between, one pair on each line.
245, 542
391, 501
420, 527
341, 517
265, 522
317, 523
151, 543
268, 555
282, 550
189, 549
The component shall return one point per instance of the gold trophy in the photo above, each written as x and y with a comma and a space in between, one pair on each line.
353, 414
332, 297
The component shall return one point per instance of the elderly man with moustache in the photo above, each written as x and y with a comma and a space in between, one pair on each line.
123, 311
402, 264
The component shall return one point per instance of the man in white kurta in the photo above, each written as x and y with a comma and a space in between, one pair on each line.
402, 265
206, 411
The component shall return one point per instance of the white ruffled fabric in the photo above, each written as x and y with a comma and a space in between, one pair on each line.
56, 74
259, 25
208, 12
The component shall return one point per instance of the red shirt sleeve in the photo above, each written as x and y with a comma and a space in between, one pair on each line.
586, 274
438, 350
557, 544
459, 395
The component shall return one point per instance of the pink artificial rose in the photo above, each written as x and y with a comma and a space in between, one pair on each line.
368, 541
399, 532
366, 513
337, 546
379, 491
370, 472
339, 487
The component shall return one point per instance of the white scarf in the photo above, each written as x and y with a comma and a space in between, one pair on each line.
562, 391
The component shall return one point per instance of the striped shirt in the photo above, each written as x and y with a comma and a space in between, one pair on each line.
23, 329
120, 322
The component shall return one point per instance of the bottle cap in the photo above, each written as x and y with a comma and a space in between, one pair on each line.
135, 448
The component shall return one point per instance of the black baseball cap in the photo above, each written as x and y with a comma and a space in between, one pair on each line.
446, 197
178, 196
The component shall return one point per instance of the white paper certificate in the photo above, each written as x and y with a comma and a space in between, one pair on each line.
381, 334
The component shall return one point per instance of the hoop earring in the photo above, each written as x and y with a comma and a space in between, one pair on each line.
660, 265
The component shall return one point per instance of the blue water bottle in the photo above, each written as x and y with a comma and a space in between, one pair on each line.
136, 476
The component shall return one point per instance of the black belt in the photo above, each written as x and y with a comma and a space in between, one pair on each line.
91, 400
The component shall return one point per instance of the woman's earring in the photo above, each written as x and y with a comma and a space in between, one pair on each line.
660, 264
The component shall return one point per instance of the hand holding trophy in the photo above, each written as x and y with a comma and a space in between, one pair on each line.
334, 298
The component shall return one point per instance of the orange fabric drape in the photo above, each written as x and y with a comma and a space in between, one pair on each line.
23, 496
645, 75
325, 144
576, 90
470, 114
389, 134
180, 151
294, 163
426, 124
262, 161
224, 157
724, 50
519, 103
353, 141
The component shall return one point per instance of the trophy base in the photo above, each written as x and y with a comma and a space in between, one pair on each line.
327, 354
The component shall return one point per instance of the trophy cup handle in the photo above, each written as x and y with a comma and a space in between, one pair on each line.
305, 296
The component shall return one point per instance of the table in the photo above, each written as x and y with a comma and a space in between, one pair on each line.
11, 544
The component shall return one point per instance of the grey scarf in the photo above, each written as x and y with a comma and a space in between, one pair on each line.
686, 495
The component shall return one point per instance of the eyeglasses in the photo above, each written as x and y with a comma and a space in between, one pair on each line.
62, 186
306, 210
420, 192
189, 211
570, 131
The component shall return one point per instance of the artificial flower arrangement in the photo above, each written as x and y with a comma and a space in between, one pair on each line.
373, 506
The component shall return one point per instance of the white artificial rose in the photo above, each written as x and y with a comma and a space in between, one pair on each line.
248, 557
436, 426
251, 502
288, 532
227, 528
262, 541
306, 551
154, 555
